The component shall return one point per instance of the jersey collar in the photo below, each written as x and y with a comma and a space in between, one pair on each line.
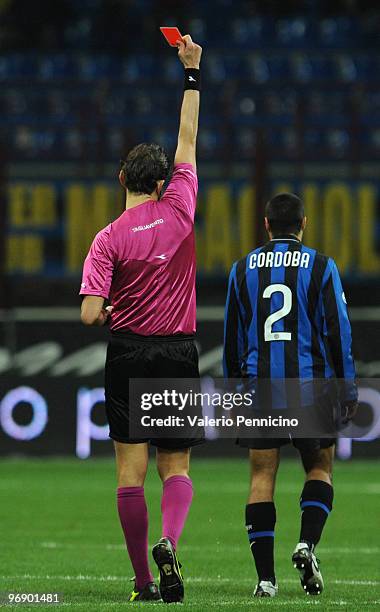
286, 237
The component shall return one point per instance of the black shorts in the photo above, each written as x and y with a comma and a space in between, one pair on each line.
133, 356
302, 444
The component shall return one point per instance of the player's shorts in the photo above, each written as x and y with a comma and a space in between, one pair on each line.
302, 444
133, 356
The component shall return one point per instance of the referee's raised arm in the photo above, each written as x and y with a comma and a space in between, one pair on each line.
190, 55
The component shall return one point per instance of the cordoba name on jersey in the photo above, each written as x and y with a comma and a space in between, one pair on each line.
271, 259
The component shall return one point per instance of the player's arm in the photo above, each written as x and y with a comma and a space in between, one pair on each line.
233, 331
92, 311
190, 55
339, 337
96, 280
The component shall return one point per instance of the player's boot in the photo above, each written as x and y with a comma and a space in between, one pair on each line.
171, 581
150, 592
265, 588
305, 561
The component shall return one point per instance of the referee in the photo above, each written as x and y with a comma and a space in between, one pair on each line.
286, 318
144, 264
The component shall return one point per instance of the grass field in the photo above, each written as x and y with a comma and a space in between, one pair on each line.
59, 532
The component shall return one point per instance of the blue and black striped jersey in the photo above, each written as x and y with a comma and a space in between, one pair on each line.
286, 316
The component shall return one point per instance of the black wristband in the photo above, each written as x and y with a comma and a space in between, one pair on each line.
192, 79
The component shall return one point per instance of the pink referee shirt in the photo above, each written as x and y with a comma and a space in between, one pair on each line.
144, 262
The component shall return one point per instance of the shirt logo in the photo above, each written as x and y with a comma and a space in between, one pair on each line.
161, 256
83, 285
141, 228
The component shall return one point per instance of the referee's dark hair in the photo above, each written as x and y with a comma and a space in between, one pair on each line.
145, 165
285, 213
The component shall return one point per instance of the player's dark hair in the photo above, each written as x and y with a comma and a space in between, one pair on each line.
285, 213
145, 165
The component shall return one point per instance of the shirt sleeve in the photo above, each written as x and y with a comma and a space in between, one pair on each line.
233, 331
182, 189
338, 332
98, 267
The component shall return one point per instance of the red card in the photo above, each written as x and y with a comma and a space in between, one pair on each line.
171, 35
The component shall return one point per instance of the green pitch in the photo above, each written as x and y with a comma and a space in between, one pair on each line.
59, 532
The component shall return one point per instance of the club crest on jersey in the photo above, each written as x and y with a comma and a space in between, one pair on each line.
270, 259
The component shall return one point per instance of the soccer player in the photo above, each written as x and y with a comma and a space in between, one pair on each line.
286, 317
144, 264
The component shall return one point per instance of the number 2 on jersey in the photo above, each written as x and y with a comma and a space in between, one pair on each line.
269, 335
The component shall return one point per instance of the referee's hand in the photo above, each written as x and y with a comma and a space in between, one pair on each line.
104, 316
189, 52
348, 411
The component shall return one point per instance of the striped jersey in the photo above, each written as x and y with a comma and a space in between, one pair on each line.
286, 316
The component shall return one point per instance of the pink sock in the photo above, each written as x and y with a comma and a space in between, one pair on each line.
176, 500
133, 516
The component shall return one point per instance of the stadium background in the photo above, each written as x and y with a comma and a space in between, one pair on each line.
291, 101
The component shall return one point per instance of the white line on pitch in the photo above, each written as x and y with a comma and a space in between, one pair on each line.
195, 579
341, 550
